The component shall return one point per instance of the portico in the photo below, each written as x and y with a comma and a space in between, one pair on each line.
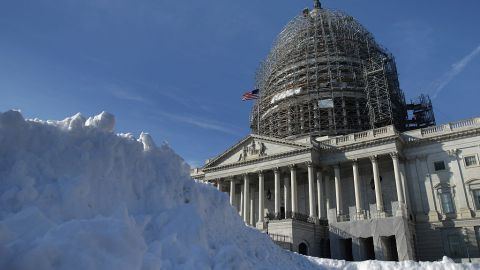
308, 187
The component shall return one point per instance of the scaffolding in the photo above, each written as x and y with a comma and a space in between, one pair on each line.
326, 75
420, 113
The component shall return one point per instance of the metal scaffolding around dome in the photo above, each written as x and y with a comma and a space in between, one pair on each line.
326, 75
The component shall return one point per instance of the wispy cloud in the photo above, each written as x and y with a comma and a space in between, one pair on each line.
454, 71
199, 122
121, 94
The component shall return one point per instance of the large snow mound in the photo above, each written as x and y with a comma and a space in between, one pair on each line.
75, 195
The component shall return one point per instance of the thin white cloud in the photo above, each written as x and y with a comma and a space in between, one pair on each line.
199, 122
454, 71
124, 95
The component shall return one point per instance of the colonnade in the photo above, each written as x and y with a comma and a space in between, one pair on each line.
316, 191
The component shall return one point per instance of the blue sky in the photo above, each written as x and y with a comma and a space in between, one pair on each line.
177, 69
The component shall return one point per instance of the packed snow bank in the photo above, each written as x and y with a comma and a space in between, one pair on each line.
74, 195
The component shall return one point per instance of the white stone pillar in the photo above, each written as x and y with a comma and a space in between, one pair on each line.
261, 197
252, 208
276, 172
246, 198
406, 193
338, 189
242, 199
311, 192
378, 185
293, 186
356, 185
463, 208
398, 184
328, 192
286, 195
320, 198
232, 192
219, 185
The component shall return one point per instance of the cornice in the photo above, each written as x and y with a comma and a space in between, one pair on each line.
443, 137
258, 160
360, 145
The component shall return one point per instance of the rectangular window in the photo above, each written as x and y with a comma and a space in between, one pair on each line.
470, 161
476, 198
439, 165
447, 202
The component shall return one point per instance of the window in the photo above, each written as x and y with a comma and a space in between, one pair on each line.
447, 202
470, 161
439, 165
476, 198
455, 246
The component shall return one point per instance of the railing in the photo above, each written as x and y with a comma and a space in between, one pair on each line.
280, 238
358, 137
291, 215
283, 241
442, 129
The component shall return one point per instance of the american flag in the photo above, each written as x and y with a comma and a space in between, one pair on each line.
250, 95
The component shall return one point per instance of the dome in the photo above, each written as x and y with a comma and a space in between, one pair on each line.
326, 75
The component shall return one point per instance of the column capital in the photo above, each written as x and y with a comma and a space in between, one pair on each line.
354, 160
293, 167
453, 152
394, 155
276, 169
260, 172
309, 163
373, 158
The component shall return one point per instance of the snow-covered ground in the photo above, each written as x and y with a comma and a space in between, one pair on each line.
75, 195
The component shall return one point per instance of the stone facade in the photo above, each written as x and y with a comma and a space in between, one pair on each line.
377, 194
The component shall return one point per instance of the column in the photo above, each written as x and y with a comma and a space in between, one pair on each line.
219, 185
232, 192
246, 198
356, 185
276, 172
462, 205
242, 199
311, 193
427, 188
251, 220
328, 194
406, 193
261, 196
286, 195
293, 186
338, 190
378, 184
320, 194
398, 185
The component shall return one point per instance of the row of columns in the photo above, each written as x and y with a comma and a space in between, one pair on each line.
290, 195
290, 190
377, 183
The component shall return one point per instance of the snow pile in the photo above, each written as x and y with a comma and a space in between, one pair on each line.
74, 195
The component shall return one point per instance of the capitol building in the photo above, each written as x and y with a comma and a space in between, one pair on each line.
339, 165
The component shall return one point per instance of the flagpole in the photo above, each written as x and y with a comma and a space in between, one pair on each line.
258, 111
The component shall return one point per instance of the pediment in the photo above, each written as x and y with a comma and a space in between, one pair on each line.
254, 147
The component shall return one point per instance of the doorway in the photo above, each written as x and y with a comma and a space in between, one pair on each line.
303, 249
389, 244
367, 248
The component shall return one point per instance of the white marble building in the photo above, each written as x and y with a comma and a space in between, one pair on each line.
376, 194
